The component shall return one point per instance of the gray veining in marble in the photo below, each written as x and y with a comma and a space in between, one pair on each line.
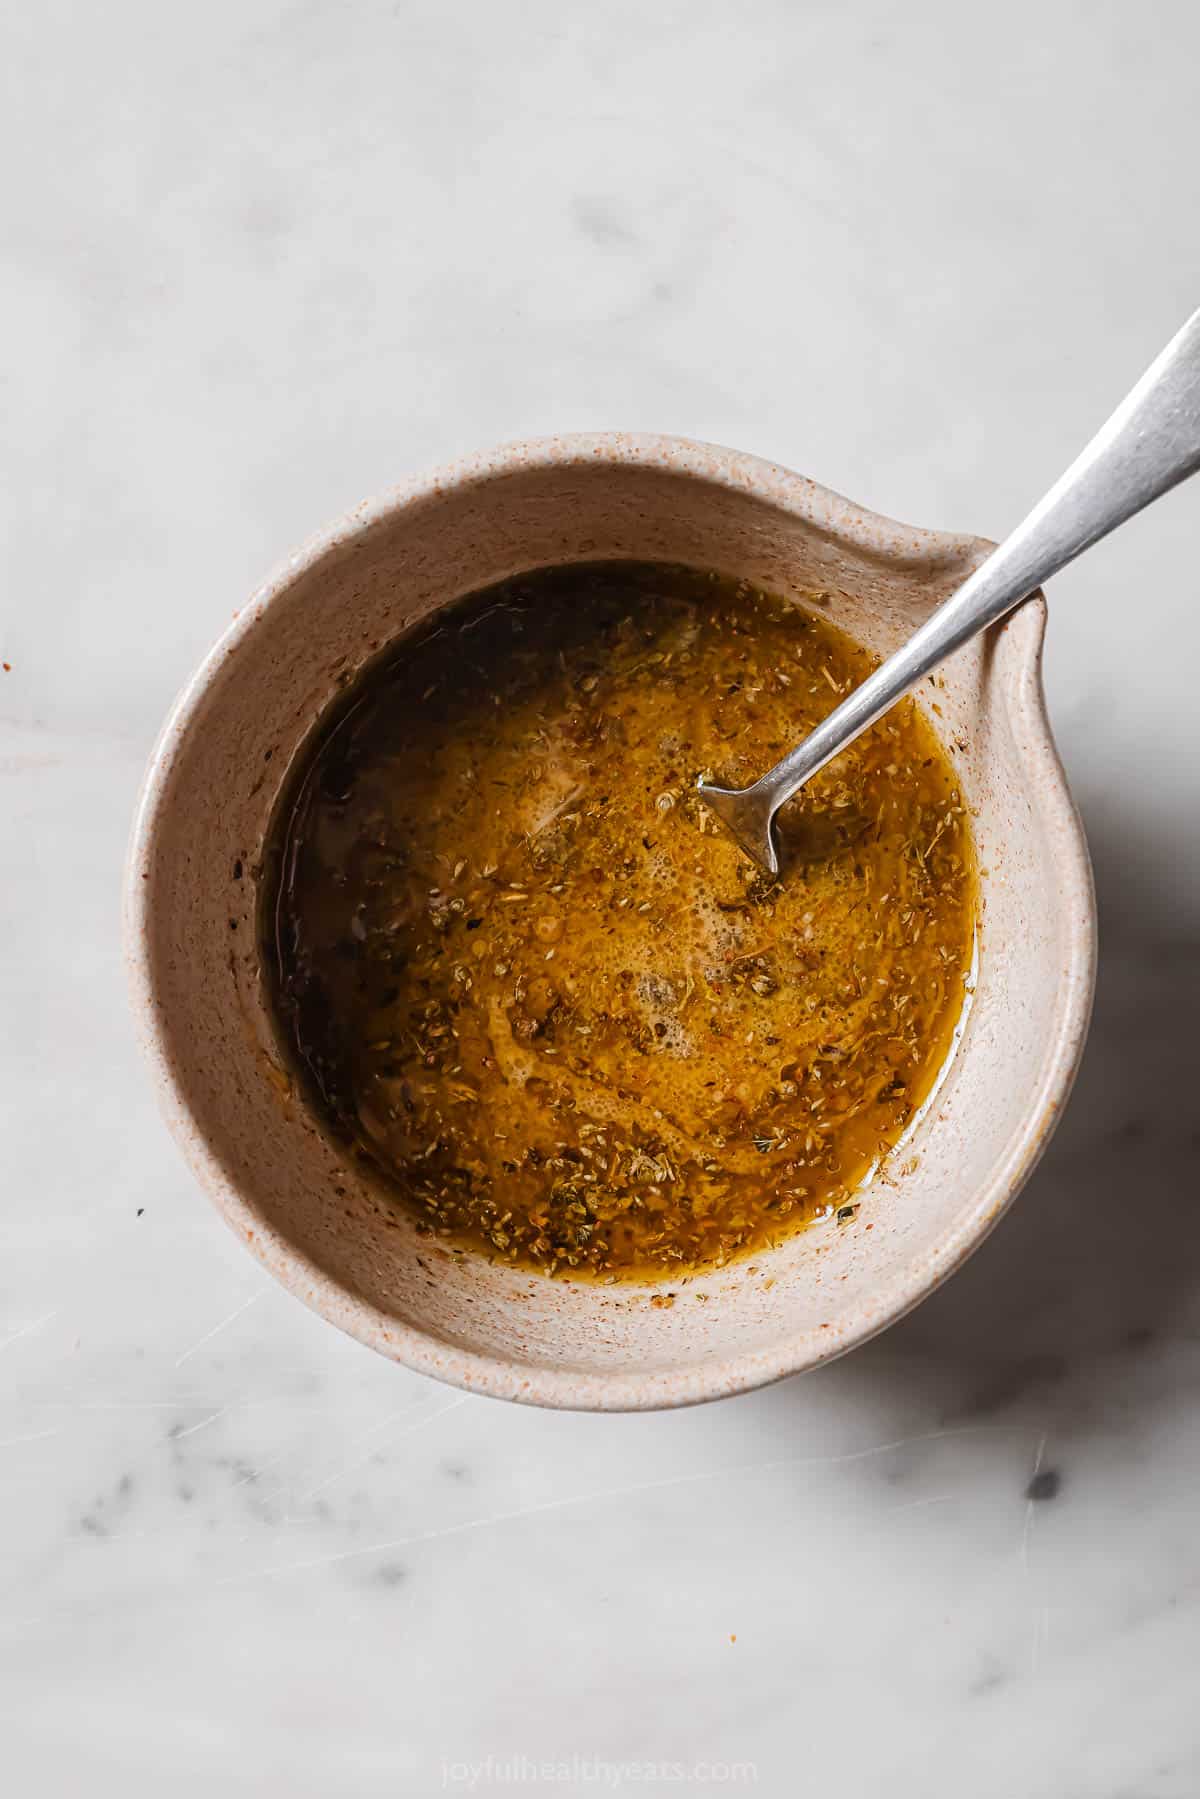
261, 259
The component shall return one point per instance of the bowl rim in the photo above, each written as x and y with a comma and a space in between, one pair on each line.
708, 1378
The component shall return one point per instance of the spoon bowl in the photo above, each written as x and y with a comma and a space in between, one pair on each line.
748, 814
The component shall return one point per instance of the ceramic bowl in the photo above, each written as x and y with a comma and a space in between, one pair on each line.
289, 1190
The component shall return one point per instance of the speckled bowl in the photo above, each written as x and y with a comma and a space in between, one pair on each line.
289, 1191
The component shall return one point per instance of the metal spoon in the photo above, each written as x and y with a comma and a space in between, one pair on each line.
1151, 442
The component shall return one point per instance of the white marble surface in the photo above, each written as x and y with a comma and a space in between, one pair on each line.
261, 259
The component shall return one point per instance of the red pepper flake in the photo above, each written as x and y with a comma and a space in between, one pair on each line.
7, 667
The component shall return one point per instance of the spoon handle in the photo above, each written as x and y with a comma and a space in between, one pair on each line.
1149, 445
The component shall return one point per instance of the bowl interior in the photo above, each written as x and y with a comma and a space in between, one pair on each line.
292, 1193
